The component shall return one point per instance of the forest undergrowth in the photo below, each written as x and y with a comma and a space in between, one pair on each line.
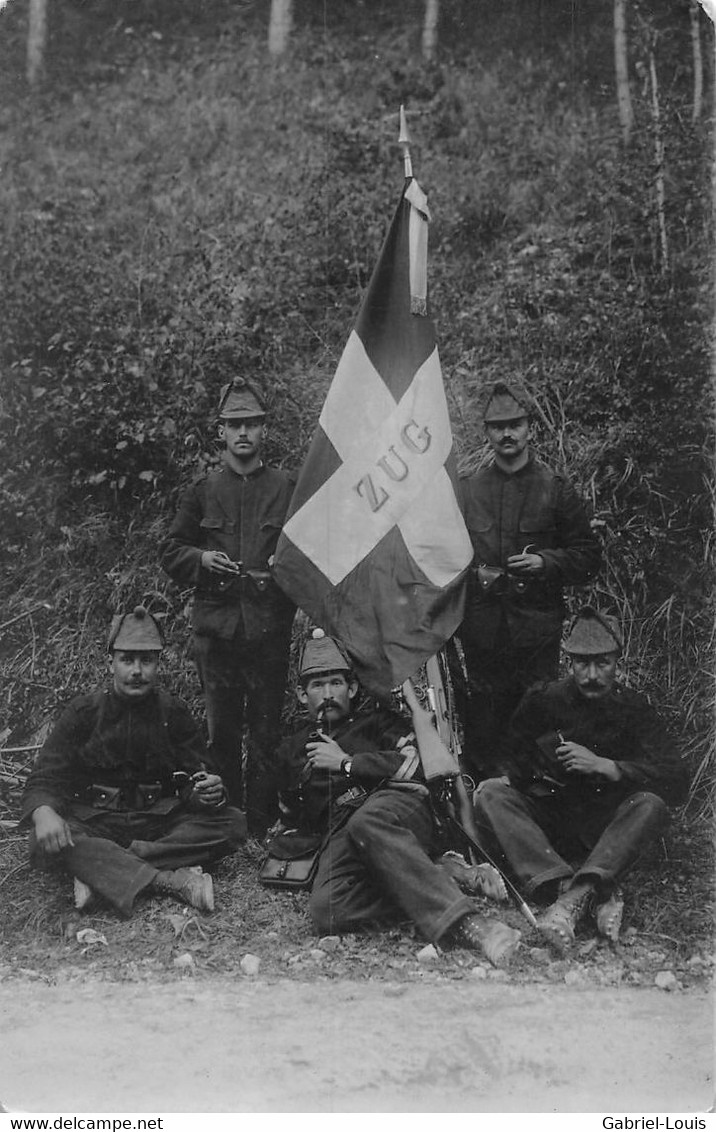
174, 211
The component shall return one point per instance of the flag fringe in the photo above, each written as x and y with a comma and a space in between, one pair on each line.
418, 305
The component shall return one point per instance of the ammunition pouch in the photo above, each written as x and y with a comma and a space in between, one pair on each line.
259, 580
543, 787
249, 583
139, 796
148, 794
491, 579
104, 797
494, 581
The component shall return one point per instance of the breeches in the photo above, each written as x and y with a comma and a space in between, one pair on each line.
497, 680
377, 867
245, 684
119, 854
544, 839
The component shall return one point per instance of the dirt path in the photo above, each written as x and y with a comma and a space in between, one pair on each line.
232, 1046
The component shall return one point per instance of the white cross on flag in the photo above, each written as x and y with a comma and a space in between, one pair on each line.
374, 548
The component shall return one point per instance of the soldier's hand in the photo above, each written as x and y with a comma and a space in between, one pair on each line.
580, 760
525, 563
216, 562
51, 831
325, 754
208, 789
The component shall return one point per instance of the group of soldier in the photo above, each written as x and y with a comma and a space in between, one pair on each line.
568, 779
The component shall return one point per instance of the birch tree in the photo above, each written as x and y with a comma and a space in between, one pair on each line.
430, 28
36, 40
280, 23
709, 7
647, 71
621, 68
658, 161
698, 61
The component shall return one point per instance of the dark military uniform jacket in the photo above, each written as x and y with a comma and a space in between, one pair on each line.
533, 508
110, 753
622, 726
243, 516
382, 747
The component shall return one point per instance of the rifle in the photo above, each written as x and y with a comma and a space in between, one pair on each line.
439, 749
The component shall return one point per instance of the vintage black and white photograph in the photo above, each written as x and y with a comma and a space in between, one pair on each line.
357, 699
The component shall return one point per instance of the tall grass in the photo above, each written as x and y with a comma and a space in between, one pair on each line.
170, 225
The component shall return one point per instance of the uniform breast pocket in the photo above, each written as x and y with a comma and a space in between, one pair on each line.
480, 526
218, 533
538, 530
484, 539
270, 530
478, 517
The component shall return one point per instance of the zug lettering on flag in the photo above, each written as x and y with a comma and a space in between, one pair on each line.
374, 548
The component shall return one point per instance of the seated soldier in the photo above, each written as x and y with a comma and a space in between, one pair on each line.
590, 770
120, 794
356, 776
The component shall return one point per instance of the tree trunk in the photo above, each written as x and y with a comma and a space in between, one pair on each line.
698, 61
659, 164
36, 40
280, 24
713, 131
430, 28
621, 67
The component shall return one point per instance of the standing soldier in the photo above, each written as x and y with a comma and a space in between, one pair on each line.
531, 537
222, 543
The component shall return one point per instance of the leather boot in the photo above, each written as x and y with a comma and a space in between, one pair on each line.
495, 940
193, 886
608, 915
557, 924
475, 880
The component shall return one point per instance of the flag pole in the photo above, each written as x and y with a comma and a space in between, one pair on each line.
404, 143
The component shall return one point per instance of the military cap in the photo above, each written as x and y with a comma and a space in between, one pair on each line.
239, 398
593, 633
322, 654
505, 400
135, 632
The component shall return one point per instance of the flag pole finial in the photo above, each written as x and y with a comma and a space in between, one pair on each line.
404, 142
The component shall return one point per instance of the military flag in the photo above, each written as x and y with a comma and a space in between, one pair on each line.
374, 547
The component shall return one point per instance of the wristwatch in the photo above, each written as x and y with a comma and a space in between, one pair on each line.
346, 765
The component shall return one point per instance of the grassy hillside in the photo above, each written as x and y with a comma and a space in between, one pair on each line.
175, 209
